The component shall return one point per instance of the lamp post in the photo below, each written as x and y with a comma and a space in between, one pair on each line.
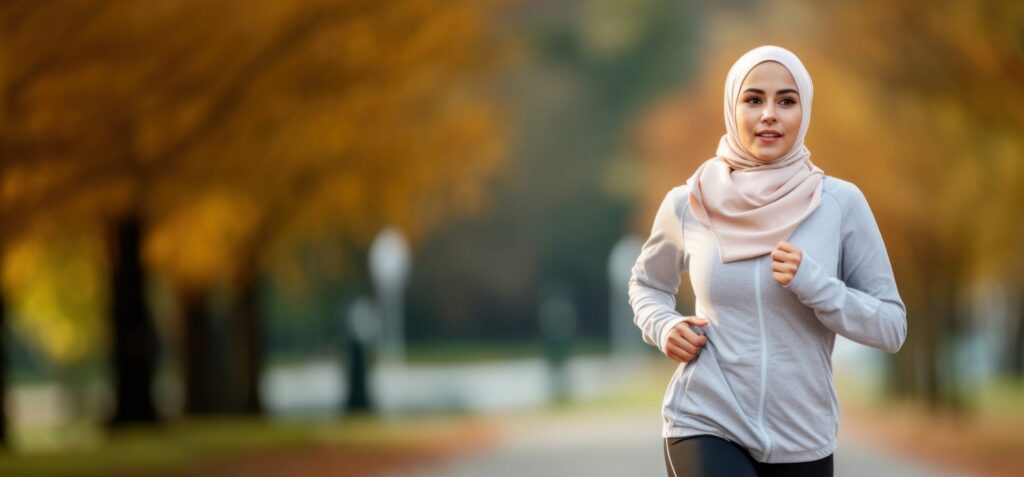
390, 261
362, 320
557, 315
625, 341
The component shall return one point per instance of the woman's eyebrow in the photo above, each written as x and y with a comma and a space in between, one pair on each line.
781, 91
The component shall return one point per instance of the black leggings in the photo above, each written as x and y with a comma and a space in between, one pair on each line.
711, 456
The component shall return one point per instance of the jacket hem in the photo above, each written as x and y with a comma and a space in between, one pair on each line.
777, 456
793, 457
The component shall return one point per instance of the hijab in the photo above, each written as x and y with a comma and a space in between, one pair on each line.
750, 205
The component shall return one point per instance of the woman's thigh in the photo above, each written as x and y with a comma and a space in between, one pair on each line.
707, 456
817, 468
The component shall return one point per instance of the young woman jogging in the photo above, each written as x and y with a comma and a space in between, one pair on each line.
781, 257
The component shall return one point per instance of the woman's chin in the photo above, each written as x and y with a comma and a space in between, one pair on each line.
767, 156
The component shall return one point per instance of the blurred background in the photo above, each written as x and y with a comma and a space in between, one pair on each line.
342, 237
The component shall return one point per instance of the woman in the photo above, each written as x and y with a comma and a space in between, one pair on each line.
781, 258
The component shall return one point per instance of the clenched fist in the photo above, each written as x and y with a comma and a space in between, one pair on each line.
683, 344
785, 262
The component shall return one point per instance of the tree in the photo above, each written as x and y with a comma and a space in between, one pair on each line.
367, 111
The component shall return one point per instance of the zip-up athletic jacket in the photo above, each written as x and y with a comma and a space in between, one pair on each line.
764, 378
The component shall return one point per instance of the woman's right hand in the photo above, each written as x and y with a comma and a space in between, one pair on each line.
683, 344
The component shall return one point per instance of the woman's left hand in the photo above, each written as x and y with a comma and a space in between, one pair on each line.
785, 262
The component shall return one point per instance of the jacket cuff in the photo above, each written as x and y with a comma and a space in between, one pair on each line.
666, 328
808, 280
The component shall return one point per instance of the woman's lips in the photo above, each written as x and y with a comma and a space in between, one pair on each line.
768, 137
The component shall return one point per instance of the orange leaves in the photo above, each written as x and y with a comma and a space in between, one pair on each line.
193, 244
240, 128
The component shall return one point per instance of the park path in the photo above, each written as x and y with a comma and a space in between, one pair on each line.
622, 443
580, 440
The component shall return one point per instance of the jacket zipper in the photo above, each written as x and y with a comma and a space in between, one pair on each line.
764, 359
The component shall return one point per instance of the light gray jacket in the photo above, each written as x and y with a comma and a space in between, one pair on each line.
764, 378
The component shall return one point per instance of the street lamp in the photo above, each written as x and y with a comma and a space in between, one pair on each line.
390, 261
625, 339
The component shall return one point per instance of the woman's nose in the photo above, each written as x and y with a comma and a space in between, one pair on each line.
768, 115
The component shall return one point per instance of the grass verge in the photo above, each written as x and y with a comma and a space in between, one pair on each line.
253, 447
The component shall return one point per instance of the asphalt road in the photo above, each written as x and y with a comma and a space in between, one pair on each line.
623, 443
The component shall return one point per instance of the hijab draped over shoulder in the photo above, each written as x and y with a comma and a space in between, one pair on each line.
749, 205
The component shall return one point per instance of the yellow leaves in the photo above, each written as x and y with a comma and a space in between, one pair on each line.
57, 301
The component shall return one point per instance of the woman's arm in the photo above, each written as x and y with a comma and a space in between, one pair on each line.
864, 305
656, 275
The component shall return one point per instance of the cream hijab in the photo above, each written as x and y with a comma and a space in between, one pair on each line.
749, 205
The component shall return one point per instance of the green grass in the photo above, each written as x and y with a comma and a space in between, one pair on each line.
462, 351
1005, 398
170, 448
154, 450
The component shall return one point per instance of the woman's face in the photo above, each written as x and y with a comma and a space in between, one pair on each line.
768, 113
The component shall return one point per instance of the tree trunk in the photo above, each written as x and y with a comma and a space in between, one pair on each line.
1015, 351
953, 398
204, 373
937, 353
248, 348
357, 350
134, 340
901, 374
3, 367
1014, 359
358, 375
930, 329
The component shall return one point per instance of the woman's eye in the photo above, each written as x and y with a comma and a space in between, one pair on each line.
787, 101
753, 100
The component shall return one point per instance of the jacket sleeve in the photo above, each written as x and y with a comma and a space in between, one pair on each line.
656, 274
864, 305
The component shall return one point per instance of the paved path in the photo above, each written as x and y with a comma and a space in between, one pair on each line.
564, 446
619, 444
536, 443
